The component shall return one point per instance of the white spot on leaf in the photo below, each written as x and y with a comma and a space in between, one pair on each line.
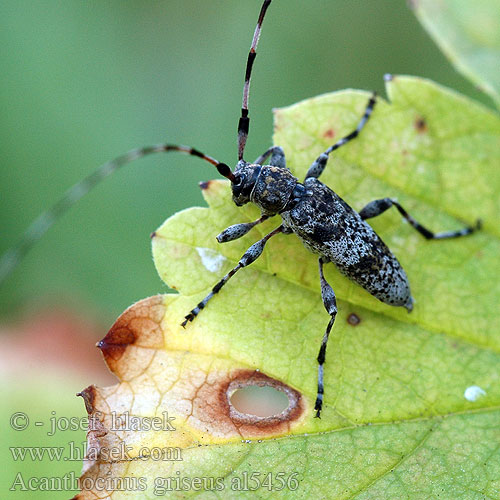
211, 259
473, 392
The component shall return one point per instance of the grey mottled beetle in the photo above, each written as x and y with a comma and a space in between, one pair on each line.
324, 222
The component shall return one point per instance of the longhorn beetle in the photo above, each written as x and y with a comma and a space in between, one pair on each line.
324, 222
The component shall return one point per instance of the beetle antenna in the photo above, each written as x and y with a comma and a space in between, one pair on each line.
11, 258
244, 122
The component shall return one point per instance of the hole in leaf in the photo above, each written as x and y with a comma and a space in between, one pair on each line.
261, 401
257, 415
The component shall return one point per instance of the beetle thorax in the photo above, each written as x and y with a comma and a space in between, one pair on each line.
269, 187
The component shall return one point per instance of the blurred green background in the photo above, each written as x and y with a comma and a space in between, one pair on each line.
83, 81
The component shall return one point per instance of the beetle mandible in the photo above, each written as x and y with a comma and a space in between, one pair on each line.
324, 222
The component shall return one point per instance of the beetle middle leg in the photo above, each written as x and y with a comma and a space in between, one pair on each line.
316, 169
252, 254
330, 303
378, 207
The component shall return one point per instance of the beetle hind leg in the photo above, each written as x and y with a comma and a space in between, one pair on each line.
378, 207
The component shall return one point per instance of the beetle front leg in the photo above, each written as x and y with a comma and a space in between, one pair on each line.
252, 254
238, 230
330, 303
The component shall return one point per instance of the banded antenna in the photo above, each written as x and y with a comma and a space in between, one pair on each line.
11, 258
244, 123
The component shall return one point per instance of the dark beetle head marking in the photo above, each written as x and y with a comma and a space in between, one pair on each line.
245, 177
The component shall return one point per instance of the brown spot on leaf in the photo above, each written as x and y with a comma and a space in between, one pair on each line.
205, 184
139, 325
353, 319
88, 394
213, 405
152, 235
329, 134
421, 125
113, 345
96, 430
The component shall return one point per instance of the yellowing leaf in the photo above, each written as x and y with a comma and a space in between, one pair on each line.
412, 401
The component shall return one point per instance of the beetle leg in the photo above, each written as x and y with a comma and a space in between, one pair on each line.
238, 230
330, 303
277, 157
252, 254
316, 169
378, 207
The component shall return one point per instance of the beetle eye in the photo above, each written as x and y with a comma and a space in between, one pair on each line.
237, 180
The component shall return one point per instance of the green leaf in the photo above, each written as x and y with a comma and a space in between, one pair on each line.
412, 401
469, 35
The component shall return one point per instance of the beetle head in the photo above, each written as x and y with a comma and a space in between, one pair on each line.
267, 186
243, 183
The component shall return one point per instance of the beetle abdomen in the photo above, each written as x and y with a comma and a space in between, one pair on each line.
328, 226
